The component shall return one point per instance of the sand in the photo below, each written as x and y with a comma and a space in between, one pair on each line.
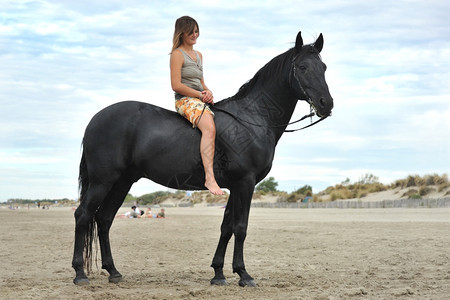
291, 253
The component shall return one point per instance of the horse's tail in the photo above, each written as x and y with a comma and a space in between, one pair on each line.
91, 233
83, 178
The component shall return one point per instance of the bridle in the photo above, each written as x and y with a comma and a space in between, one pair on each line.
312, 109
292, 73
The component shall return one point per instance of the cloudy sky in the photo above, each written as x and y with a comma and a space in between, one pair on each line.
388, 72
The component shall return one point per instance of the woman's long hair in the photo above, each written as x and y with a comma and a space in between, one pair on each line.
183, 25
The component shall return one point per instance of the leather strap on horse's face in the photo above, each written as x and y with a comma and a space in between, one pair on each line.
293, 73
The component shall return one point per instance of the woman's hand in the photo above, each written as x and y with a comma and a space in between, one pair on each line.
207, 97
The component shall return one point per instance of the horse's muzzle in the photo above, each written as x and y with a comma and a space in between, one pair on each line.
324, 107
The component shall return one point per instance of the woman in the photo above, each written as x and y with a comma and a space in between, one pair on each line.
191, 93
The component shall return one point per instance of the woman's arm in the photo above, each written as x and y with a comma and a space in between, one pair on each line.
206, 93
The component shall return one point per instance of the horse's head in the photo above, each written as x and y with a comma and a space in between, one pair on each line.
308, 76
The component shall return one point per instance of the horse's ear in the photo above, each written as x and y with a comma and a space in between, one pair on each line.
299, 41
319, 43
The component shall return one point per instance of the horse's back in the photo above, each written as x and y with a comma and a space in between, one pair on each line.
113, 120
129, 109
157, 141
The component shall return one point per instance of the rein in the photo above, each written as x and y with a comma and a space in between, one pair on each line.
273, 126
292, 73
304, 127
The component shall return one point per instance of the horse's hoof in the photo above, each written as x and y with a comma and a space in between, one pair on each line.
116, 278
81, 281
247, 282
216, 281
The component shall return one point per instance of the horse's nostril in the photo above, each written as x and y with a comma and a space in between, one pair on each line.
322, 102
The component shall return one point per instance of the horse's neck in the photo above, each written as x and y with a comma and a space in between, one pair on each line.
269, 104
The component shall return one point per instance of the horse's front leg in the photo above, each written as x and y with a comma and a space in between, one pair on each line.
226, 231
241, 210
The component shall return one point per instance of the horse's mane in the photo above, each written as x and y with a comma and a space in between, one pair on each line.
274, 66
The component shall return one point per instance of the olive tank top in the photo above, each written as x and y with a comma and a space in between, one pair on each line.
191, 73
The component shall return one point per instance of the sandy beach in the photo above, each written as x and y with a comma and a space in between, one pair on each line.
291, 253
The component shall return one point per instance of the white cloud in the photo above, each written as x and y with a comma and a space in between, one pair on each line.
388, 72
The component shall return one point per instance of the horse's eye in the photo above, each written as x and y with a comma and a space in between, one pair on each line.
302, 68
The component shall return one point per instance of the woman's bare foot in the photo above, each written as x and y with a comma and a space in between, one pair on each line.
214, 188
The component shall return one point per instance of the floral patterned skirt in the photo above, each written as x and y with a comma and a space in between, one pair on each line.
192, 109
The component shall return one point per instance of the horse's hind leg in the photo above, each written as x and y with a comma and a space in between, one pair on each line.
104, 218
84, 222
81, 228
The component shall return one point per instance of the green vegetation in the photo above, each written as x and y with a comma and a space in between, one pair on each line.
42, 202
365, 185
416, 181
154, 198
419, 186
199, 197
422, 186
280, 195
158, 197
415, 185
300, 194
267, 185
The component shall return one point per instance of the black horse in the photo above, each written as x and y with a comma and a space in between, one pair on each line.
130, 140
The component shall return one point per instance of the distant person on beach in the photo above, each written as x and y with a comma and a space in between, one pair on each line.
161, 214
149, 214
134, 213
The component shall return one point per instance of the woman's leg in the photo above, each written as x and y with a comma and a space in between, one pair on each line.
207, 145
